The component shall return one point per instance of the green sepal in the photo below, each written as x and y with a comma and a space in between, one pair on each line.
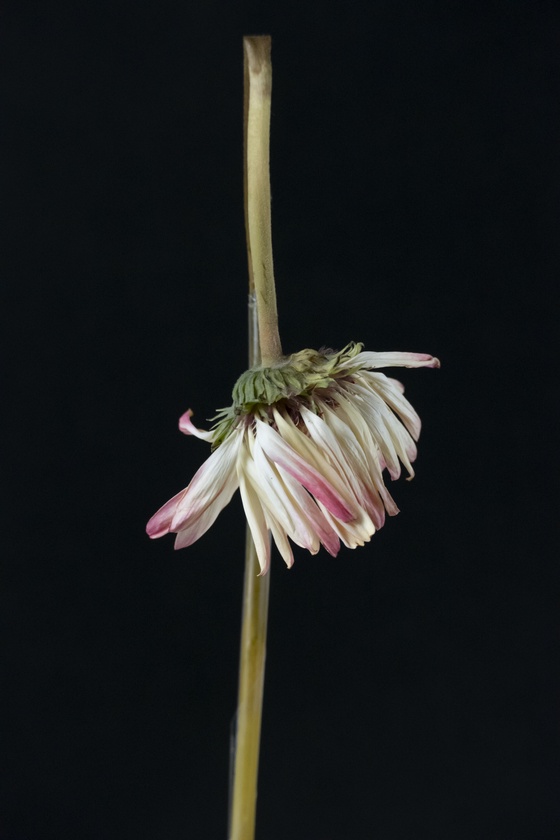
293, 377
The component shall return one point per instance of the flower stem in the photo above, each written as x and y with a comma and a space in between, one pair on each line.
249, 709
264, 341
257, 99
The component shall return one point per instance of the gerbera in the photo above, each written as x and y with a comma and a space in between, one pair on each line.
306, 442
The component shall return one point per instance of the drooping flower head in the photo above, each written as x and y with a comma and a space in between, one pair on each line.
306, 441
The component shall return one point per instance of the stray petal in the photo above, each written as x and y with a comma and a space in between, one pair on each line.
188, 428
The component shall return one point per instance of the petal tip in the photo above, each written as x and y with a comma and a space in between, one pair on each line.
185, 417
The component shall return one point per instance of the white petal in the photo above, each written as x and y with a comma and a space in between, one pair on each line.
393, 395
358, 396
391, 359
282, 542
398, 385
254, 512
353, 533
352, 416
394, 440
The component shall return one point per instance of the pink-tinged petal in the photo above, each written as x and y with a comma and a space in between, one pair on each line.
368, 359
282, 453
315, 454
352, 461
287, 502
275, 498
288, 505
339, 449
311, 511
195, 527
188, 428
254, 513
216, 478
160, 523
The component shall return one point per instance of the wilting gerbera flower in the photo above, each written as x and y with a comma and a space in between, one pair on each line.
306, 441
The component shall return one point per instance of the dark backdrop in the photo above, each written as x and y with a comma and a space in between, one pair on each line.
412, 686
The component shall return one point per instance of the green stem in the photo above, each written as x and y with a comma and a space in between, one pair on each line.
257, 87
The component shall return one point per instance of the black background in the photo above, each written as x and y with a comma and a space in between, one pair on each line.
412, 685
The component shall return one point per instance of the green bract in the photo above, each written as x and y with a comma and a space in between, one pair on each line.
295, 377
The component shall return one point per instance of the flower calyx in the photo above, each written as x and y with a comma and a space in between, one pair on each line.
293, 377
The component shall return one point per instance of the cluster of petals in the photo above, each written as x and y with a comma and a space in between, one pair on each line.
307, 470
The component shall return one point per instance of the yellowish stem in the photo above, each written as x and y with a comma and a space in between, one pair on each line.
251, 685
258, 92
258, 87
